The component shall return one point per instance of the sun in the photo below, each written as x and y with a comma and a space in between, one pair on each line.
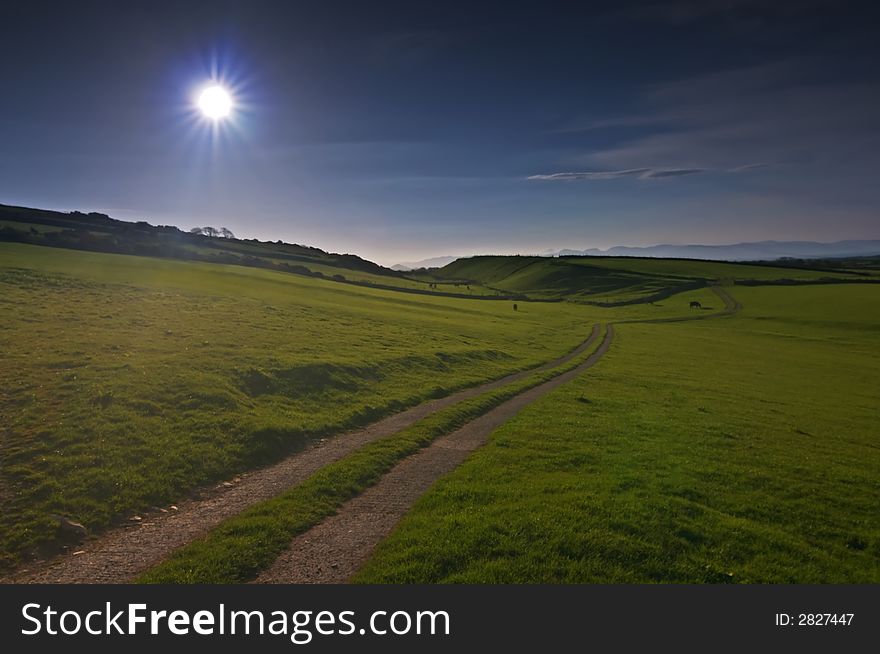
215, 102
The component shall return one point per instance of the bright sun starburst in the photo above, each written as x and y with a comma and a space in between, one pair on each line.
215, 102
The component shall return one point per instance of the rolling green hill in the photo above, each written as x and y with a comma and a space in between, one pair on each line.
99, 233
618, 280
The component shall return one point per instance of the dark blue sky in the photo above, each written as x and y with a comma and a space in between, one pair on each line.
405, 130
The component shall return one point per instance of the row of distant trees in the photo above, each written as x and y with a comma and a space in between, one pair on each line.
213, 232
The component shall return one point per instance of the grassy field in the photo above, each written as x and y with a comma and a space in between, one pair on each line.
737, 449
128, 380
742, 449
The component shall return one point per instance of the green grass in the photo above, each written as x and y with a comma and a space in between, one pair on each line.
743, 449
241, 547
127, 380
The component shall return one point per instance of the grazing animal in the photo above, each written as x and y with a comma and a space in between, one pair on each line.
514, 307
696, 305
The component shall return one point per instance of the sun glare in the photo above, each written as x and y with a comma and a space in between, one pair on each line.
215, 102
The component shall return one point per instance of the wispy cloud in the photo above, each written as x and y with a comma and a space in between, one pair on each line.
640, 173
748, 167
597, 174
672, 172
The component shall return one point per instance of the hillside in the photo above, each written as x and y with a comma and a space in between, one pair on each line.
98, 232
617, 280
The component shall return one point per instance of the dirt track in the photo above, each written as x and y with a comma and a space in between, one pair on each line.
333, 550
121, 554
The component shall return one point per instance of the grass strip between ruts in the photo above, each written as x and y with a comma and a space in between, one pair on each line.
239, 548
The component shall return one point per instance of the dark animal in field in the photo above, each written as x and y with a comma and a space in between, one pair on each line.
696, 305
514, 307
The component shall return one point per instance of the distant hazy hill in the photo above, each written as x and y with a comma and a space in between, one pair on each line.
760, 251
435, 262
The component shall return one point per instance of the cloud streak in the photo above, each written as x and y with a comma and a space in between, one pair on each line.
672, 172
640, 173
748, 167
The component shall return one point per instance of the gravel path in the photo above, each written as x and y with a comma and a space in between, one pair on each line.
333, 550
121, 554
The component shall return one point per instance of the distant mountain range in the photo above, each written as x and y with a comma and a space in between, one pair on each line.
759, 251
762, 250
435, 262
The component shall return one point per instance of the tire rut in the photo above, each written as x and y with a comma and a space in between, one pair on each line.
334, 549
122, 553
